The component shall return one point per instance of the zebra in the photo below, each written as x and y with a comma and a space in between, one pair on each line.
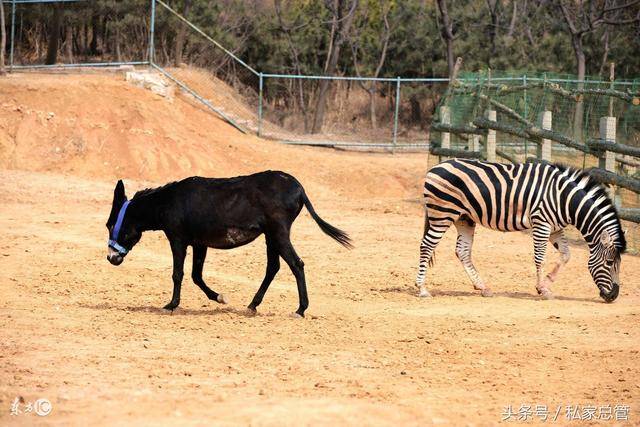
540, 196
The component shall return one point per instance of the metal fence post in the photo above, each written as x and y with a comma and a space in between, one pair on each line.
152, 31
260, 84
13, 33
395, 117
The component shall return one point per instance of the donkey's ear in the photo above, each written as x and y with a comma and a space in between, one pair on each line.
118, 194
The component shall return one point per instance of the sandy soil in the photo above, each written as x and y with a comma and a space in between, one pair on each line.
93, 340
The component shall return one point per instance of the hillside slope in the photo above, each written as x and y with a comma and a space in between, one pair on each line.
98, 125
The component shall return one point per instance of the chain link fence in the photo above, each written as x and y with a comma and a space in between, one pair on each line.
369, 113
575, 113
75, 33
520, 99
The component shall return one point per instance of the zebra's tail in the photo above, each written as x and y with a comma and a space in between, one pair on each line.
333, 232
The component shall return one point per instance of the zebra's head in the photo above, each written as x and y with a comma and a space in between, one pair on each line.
604, 263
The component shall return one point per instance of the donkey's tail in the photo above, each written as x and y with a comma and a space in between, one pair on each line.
333, 232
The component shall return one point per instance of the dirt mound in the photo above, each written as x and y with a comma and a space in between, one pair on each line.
100, 126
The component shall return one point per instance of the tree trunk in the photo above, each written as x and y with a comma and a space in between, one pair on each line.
493, 28
3, 39
68, 40
344, 25
182, 32
416, 112
54, 35
578, 117
447, 33
372, 106
296, 61
117, 41
93, 46
512, 25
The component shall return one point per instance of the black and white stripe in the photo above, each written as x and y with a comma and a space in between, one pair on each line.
512, 197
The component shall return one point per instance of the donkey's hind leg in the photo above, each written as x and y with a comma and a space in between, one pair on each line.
273, 266
199, 255
434, 229
464, 243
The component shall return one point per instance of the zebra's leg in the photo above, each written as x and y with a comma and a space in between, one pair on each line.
434, 229
541, 234
464, 243
559, 241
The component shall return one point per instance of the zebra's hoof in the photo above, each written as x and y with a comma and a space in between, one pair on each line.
486, 292
424, 293
546, 294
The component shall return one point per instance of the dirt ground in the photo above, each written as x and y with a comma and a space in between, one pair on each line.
92, 338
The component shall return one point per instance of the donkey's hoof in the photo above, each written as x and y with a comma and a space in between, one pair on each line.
486, 292
251, 311
221, 299
424, 293
171, 306
297, 315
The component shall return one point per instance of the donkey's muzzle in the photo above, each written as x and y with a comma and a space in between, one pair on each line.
115, 257
612, 294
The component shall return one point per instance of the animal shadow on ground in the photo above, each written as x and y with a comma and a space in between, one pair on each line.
213, 311
476, 294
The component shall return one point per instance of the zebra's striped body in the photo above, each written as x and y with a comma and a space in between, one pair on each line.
513, 197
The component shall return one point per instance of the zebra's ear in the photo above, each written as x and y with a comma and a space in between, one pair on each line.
606, 239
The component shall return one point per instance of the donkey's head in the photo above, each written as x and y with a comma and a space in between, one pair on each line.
604, 263
123, 234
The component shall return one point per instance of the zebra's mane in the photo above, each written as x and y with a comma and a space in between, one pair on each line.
596, 190
149, 191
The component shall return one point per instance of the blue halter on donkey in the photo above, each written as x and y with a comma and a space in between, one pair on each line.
113, 242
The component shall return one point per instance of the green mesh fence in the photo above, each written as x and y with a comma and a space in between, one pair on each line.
519, 99
576, 107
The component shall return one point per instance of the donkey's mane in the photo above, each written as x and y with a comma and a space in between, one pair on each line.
149, 191
591, 184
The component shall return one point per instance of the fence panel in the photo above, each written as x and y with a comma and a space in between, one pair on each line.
352, 111
76, 33
418, 101
184, 50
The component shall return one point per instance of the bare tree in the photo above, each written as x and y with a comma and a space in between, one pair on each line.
181, 36
3, 39
371, 87
514, 14
68, 42
447, 33
582, 19
494, 7
54, 35
343, 13
296, 63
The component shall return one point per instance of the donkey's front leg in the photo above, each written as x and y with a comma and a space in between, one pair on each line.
179, 251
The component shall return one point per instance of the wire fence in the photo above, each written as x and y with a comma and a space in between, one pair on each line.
391, 113
575, 108
516, 117
33, 22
